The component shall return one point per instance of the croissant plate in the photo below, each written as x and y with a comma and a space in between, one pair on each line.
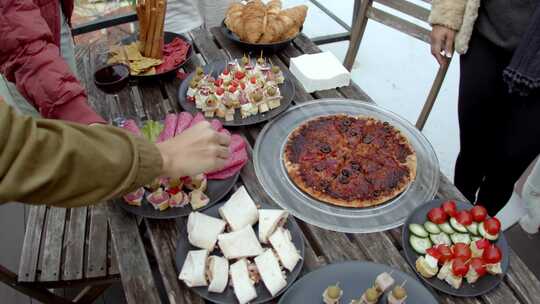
256, 22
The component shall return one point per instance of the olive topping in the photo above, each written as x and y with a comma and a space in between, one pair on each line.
275, 69
325, 148
333, 292
261, 60
355, 166
385, 123
399, 292
343, 179
245, 60
271, 91
324, 184
372, 294
256, 96
199, 71
368, 139
345, 172
346, 122
193, 84
353, 133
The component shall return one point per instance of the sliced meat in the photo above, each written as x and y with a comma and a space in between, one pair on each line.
238, 157
216, 125
169, 128
237, 143
131, 126
183, 122
224, 174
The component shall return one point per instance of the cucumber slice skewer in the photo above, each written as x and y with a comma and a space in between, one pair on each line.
420, 245
473, 228
418, 230
461, 238
432, 227
446, 228
457, 226
440, 238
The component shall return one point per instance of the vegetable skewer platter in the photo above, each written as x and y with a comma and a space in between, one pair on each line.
356, 282
456, 247
166, 198
240, 251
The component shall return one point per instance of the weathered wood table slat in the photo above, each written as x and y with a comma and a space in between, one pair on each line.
152, 100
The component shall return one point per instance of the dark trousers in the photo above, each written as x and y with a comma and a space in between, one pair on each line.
499, 132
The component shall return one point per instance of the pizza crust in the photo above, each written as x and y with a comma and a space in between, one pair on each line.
293, 171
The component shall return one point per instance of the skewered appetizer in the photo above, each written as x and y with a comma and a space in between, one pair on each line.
332, 294
397, 296
233, 237
457, 241
250, 87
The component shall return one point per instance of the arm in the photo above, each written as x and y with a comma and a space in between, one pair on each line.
30, 59
446, 18
56, 163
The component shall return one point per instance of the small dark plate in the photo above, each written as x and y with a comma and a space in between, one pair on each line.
286, 89
265, 47
482, 286
167, 38
354, 278
227, 297
217, 189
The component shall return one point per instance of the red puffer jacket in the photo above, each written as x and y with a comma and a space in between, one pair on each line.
30, 57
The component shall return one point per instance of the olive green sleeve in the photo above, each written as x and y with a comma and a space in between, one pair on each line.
68, 165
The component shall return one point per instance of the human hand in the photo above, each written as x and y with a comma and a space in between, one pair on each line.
442, 43
197, 150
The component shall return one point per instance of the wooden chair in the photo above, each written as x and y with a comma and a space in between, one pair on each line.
364, 10
65, 248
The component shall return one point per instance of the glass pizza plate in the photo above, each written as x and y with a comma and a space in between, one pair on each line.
268, 159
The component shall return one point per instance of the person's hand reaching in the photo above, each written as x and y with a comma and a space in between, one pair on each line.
197, 150
442, 43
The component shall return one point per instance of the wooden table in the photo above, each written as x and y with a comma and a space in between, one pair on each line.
139, 250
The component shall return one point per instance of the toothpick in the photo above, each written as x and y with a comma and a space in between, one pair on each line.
403, 284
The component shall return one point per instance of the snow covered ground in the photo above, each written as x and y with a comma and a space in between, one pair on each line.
397, 71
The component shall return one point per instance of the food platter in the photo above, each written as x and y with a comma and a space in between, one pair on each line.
269, 168
286, 89
167, 38
482, 286
228, 296
266, 47
216, 190
354, 277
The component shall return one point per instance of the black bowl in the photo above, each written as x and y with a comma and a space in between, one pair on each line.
483, 285
265, 47
112, 78
167, 38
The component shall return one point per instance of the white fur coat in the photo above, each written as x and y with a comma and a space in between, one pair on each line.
459, 15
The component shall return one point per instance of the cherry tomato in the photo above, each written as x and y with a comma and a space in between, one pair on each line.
235, 82
479, 213
253, 80
492, 226
191, 98
462, 250
239, 75
218, 82
232, 89
434, 252
437, 215
482, 244
460, 267
478, 265
446, 253
492, 254
464, 217
226, 72
242, 85
220, 91
449, 207
173, 190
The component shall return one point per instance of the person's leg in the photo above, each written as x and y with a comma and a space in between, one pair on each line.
518, 145
478, 73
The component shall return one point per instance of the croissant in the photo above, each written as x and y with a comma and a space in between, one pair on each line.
256, 22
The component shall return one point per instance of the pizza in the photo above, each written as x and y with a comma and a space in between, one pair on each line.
350, 161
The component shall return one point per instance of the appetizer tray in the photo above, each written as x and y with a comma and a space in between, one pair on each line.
483, 285
271, 172
168, 37
215, 68
216, 190
353, 278
228, 296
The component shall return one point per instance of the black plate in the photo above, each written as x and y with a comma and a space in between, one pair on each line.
167, 38
354, 278
217, 189
228, 297
265, 47
482, 286
286, 89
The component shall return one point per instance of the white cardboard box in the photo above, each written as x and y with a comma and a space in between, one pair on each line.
321, 71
